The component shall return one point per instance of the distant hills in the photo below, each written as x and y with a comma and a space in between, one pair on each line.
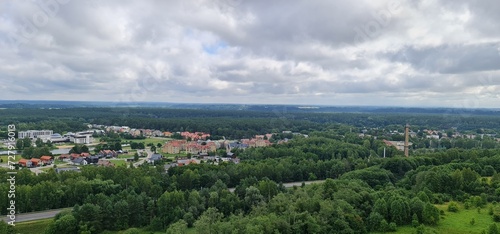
34, 104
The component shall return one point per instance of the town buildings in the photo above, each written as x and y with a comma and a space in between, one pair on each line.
34, 133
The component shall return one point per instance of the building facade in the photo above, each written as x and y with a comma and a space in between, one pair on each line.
34, 133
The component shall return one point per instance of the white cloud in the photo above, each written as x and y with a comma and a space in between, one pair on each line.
414, 53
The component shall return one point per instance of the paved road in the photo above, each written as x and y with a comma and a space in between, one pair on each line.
34, 216
142, 160
291, 184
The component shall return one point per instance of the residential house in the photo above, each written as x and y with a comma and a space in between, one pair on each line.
92, 159
155, 158
65, 157
167, 134
47, 160
236, 145
148, 132
135, 132
174, 147
24, 162
229, 159
35, 162
105, 163
108, 153
195, 136
195, 148
74, 156
157, 133
183, 162
79, 161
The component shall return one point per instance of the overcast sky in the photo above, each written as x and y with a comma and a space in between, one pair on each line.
328, 52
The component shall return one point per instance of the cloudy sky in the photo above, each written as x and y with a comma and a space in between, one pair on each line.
328, 52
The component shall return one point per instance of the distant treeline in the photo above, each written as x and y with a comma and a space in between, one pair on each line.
232, 122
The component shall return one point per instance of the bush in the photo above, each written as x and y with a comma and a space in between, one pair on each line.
132, 231
384, 226
496, 213
392, 227
452, 207
414, 221
467, 205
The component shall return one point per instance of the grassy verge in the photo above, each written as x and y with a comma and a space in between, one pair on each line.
33, 227
146, 141
118, 162
5, 157
457, 223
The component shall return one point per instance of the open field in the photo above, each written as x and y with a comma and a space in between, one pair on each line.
146, 141
5, 158
457, 223
118, 162
33, 227
172, 156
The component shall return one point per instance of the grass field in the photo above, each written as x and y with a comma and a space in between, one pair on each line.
130, 153
5, 158
118, 162
457, 223
146, 141
172, 156
33, 227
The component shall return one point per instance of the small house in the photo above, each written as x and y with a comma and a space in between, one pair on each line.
35, 162
155, 158
92, 159
79, 161
24, 162
105, 163
47, 160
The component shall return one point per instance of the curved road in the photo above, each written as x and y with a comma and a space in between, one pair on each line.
34, 215
52, 213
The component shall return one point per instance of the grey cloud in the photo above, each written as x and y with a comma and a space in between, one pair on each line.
451, 59
284, 52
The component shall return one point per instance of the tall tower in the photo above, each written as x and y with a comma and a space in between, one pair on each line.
407, 129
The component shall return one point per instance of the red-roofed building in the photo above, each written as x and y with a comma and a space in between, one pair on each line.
195, 148
35, 162
195, 136
105, 163
47, 160
108, 153
174, 147
24, 162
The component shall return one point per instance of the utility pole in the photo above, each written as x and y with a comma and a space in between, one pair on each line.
407, 129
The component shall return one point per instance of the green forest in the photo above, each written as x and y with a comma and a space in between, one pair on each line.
360, 190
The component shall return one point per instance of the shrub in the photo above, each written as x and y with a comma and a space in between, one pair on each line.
392, 227
452, 207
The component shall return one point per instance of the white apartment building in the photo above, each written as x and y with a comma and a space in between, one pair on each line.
34, 133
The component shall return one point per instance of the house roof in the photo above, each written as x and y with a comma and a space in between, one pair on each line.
35, 160
156, 157
46, 158
22, 160
78, 160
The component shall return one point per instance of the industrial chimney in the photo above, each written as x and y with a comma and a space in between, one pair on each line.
407, 129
